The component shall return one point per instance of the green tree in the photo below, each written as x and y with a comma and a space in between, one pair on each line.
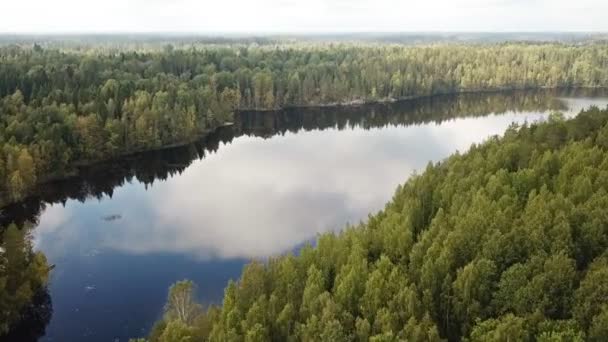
176, 331
181, 305
599, 326
504, 329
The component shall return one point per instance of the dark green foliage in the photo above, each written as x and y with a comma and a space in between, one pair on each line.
23, 279
63, 108
507, 242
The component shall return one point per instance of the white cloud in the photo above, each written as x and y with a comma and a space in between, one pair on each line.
247, 16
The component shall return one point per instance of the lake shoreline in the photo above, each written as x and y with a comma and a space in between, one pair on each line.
364, 102
77, 166
75, 172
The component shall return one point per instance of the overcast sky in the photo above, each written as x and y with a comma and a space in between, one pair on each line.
259, 16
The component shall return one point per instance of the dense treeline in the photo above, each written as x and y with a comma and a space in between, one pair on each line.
23, 279
62, 108
507, 242
143, 42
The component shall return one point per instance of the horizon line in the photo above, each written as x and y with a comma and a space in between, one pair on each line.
297, 33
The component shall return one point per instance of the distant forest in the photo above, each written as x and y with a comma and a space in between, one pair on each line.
507, 242
61, 107
122, 40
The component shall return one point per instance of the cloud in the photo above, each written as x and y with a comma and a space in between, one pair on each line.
302, 16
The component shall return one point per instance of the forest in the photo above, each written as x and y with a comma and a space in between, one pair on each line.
506, 242
64, 107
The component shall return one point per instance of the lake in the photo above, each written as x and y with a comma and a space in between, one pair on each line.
122, 232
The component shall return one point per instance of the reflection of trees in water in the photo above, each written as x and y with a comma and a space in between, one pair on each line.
101, 179
423, 110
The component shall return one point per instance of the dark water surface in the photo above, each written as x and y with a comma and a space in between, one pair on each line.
122, 232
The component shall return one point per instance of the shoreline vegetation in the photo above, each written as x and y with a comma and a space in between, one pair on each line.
99, 180
77, 166
506, 242
65, 107
25, 303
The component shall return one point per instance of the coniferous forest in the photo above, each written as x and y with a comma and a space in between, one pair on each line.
65, 106
506, 242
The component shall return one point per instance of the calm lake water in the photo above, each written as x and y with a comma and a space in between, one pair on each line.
122, 232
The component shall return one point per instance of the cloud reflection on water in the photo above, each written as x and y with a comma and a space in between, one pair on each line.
258, 197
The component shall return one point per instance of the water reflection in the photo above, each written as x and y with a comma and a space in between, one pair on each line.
258, 196
121, 232
99, 181
262, 197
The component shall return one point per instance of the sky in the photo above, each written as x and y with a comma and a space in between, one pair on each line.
301, 16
